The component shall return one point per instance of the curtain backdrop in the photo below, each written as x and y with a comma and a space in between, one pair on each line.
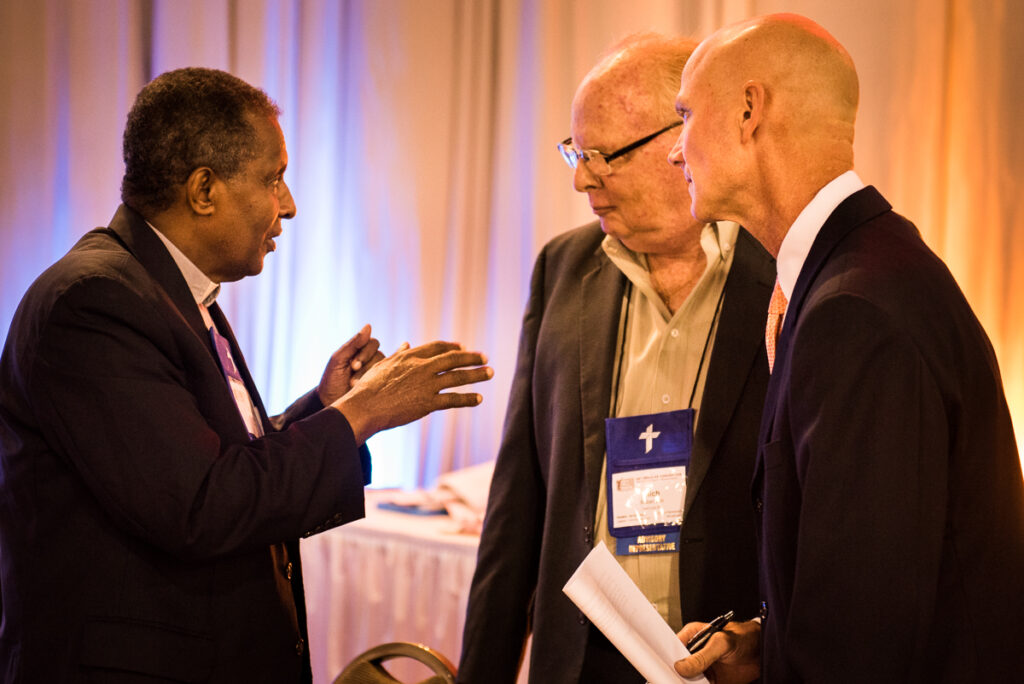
421, 135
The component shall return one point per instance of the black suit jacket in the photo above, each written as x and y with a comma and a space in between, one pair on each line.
892, 535
540, 514
142, 534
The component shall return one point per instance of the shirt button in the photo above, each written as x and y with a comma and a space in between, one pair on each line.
288, 571
300, 646
759, 505
675, 332
665, 398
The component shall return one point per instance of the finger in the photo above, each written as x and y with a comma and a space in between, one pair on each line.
456, 359
450, 400
365, 354
347, 350
435, 348
693, 665
359, 339
690, 630
456, 378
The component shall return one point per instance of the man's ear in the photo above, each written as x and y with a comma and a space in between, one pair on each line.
754, 101
201, 190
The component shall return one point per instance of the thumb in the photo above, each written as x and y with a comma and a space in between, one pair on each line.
357, 341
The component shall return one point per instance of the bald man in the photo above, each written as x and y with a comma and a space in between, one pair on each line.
888, 484
646, 312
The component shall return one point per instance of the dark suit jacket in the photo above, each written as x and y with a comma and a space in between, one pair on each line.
540, 514
892, 536
142, 534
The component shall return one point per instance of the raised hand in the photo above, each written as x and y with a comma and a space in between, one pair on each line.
347, 365
408, 385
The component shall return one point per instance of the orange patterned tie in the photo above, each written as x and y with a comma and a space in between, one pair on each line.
776, 310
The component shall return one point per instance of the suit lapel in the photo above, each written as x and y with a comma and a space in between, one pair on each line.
738, 348
861, 206
140, 240
600, 303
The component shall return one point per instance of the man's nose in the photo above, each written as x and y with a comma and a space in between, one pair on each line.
288, 208
675, 155
583, 178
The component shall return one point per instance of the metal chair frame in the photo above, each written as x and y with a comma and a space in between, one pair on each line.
367, 668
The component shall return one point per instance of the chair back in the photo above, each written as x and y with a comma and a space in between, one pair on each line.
367, 668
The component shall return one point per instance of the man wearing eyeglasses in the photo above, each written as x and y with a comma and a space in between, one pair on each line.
655, 322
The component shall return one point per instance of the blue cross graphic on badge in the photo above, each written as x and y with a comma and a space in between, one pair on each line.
649, 435
646, 487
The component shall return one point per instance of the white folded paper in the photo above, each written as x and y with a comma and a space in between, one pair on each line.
606, 595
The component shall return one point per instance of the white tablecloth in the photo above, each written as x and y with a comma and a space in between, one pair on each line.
389, 577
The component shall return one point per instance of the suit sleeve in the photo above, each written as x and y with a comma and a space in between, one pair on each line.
134, 416
871, 442
304, 407
505, 579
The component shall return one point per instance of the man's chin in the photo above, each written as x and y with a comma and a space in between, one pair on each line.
698, 211
254, 268
612, 226
628, 239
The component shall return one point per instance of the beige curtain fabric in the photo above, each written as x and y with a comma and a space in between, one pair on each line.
421, 135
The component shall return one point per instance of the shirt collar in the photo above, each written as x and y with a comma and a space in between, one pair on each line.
717, 239
204, 290
800, 236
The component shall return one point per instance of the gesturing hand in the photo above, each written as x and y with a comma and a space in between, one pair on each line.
408, 385
347, 365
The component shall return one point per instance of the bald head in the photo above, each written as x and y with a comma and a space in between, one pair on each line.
636, 79
778, 96
810, 76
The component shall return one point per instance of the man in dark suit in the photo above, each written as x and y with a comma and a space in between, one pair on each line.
149, 509
888, 483
649, 312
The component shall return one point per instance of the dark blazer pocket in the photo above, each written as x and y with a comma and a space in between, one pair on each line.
148, 649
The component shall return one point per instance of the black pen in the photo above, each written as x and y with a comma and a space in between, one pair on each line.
701, 638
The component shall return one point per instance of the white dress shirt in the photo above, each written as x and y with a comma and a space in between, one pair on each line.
797, 243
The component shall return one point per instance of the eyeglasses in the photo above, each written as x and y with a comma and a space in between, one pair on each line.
597, 162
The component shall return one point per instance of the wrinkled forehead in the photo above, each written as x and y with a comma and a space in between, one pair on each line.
614, 105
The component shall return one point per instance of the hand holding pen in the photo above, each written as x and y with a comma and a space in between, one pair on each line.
701, 637
732, 658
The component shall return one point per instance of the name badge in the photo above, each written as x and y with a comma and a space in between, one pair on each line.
648, 458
